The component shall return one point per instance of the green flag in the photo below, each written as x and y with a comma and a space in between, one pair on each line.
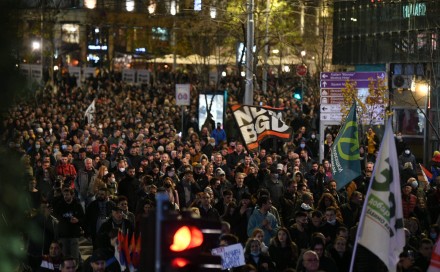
346, 165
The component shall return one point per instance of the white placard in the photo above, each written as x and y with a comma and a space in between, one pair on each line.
183, 97
143, 76
128, 75
232, 256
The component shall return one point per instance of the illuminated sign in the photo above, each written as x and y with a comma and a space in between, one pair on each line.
97, 47
414, 10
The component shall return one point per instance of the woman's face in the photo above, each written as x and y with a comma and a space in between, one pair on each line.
340, 245
255, 247
282, 236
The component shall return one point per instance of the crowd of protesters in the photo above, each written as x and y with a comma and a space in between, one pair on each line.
92, 179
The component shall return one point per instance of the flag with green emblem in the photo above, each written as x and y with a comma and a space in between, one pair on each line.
345, 162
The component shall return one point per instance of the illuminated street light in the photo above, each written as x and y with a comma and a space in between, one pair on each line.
129, 5
173, 9
303, 53
36, 45
213, 12
90, 4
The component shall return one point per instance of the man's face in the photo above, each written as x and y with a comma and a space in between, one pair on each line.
239, 179
369, 167
98, 266
102, 195
68, 196
123, 205
89, 164
69, 266
425, 250
54, 250
131, 172
218, 159
332, 186
206, 199
311, 262
227, 199
247, 160
117, 215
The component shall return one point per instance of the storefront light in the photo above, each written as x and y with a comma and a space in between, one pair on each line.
90, 4
129, 5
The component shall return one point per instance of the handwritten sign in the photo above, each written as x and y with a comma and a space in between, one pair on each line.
232, 256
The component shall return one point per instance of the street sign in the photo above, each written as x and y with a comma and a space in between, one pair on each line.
183, 97
331, 116
332, 100
332, 84
301, 70
330, 108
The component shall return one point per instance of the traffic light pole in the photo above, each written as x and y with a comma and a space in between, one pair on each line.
161, 198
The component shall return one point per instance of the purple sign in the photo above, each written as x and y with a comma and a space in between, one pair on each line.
338, 79
341, 84
354, 76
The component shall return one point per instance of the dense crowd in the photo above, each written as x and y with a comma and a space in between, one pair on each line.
93, 179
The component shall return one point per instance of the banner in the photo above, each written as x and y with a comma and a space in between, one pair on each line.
345, 162
381, 225
258, 123
90, 112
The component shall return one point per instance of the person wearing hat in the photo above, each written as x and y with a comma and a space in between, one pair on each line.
218, 163
200, 176
187, 189
98, 260
275, 185
224, 183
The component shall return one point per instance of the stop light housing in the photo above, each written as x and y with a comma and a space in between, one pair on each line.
186, 244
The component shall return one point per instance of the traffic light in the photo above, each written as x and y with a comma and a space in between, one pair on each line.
186, 244
298, 93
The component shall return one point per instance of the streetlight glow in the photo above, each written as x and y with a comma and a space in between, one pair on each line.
36, 45
303, 53
90, 4
129, 5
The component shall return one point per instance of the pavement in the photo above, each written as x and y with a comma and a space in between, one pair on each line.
85, 248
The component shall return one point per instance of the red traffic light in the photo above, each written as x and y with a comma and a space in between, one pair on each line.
186, 237
179, 262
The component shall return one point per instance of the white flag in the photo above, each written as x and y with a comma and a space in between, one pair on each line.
381, 224
90, 112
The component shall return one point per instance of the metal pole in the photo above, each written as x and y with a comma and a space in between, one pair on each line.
161, 198
266, 49
249, 90
426, 141
183, 112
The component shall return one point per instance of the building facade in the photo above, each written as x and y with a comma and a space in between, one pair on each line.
403, 37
